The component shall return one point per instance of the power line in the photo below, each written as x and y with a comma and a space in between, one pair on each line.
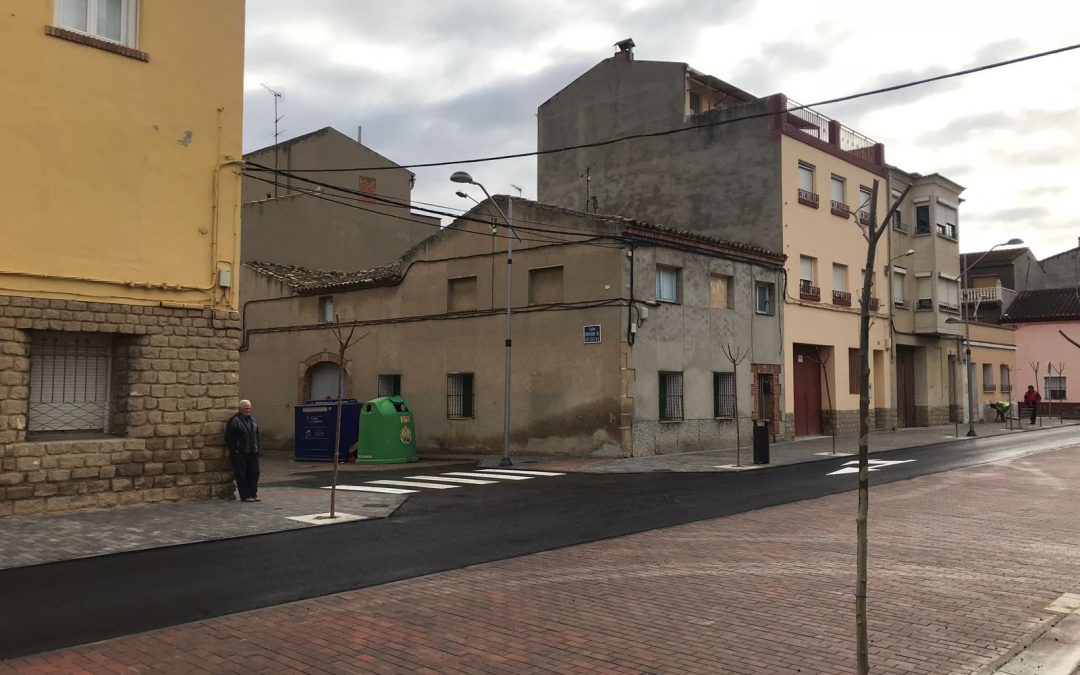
668, 132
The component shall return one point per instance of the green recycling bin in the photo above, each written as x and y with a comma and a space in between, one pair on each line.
387, 433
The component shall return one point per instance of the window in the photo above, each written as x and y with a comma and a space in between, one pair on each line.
667, 284
854, 370
367, 187
840, 294
671, 397
839, 203
695, 103
1055, 388
389, 385
326, 309
899, 279
807, 195
946, 216
69, 382
988, 377
459, 395
723, 390
763, 298
546, 285
865, 197
461, 294
948, 293
720, 291
922, 219
1006, 382
808, 289
897, 221
112, 20
924, 291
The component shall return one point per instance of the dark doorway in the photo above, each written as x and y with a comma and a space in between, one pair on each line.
807, 377
765, 398
905, 387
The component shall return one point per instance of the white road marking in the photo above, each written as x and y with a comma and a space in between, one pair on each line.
466, 474
409, 483
444, 479
872, 465
372, 488
522, 473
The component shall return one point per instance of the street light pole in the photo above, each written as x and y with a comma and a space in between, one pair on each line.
464, 177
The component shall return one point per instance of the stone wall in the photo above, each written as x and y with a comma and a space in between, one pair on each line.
930, 416
175, 381
847, 421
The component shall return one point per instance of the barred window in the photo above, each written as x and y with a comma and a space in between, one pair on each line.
723, 395
459, 395
671, 396
389, 385
1055, 388
69, 381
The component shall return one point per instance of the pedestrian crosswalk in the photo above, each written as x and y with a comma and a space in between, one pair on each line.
446, 481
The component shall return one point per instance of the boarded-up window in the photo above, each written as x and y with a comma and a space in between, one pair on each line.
720, 289
367, 187
546, 285
854, 368
69, 381
461, 294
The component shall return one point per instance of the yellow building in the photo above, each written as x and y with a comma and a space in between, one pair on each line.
120, 213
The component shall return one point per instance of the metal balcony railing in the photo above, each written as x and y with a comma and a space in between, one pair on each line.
983, 294
840, 209
807, 291
874, 304
842, 298
808, 198
864, 218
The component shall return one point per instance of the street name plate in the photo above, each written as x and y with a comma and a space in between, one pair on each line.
592, 334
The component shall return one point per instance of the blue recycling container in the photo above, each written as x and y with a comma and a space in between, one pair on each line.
315, 428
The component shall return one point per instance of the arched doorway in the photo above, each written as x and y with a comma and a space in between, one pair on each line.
322, 382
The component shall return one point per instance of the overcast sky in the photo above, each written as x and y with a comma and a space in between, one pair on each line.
452, 79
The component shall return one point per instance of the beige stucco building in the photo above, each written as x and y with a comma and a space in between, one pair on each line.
735, 166
120, 212
619, 332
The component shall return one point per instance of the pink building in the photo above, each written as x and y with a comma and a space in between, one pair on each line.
1045, 321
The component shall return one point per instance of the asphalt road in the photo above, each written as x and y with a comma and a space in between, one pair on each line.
73, 602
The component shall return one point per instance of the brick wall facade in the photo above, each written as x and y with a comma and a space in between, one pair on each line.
174, 382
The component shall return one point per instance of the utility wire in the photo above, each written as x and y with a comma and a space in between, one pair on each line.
668, 132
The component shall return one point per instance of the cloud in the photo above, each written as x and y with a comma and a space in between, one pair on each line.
1013, 215
1047, 190
1002, 50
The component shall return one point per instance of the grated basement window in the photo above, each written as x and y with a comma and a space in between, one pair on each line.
459, 395
69, 382
671, 396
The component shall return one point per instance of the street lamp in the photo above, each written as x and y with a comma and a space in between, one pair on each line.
464, 177
967, 331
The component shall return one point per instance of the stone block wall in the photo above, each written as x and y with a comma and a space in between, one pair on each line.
174, 382
847, 421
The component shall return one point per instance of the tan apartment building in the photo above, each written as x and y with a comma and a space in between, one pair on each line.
290, 221
924, 275
763, 171
619, 331
119, 330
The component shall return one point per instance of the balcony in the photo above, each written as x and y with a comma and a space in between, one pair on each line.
989, 389
807, 291
842, 298
840, 209
808, 198
949, 307
864, 218
829, 135
874, 304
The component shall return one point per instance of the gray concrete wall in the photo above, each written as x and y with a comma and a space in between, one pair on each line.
723, 181
1062, 270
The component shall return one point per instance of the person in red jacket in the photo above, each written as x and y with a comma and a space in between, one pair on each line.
1031, 400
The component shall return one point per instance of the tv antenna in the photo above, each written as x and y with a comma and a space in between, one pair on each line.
277, 133
516, 187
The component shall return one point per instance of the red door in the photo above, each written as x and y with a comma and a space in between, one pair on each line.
807, 375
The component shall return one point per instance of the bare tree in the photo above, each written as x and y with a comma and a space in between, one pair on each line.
872, 233
344, 342
736, 356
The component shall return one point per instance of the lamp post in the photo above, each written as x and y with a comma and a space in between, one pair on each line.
464, 177
967, 331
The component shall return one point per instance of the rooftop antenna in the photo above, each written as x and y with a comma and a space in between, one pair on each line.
277, 133
516, 187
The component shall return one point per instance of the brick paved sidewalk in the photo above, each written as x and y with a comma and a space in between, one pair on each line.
962, 567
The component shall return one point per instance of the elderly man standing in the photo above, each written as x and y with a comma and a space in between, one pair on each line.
242, 440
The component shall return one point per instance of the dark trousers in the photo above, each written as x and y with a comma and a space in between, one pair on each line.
1034, 411
246, 471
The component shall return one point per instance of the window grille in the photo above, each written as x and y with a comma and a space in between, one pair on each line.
724, 395
459, 395
671, 396
69, 382
389, 385
1055, 388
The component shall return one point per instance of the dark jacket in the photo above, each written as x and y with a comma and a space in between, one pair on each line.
242, 435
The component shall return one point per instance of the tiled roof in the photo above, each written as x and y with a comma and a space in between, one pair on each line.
306, 279
1048, 304
1005, 255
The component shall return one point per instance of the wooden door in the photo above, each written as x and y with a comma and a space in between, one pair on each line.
905, 387
807, 380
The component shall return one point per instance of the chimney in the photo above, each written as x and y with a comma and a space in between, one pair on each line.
626, 50
359, 133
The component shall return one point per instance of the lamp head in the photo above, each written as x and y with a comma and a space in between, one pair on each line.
461, 177
910, 251
461, 194
1014, 242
